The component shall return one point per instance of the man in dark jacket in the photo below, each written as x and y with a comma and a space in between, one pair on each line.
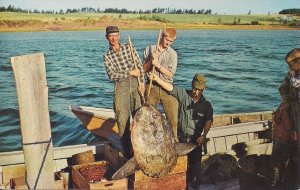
195, 120
286, 120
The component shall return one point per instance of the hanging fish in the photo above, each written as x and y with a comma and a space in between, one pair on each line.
154, 145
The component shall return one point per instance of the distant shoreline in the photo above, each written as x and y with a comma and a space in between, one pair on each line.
33, 27
22, 22
211, 27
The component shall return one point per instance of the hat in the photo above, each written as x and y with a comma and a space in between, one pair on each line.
199, 81
294, 54
111, 29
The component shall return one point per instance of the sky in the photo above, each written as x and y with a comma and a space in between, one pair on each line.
217, 6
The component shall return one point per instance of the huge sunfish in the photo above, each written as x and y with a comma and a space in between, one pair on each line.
154, 145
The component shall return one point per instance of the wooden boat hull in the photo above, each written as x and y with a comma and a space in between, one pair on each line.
228, 129
101, 121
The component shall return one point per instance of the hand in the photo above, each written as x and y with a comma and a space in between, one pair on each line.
156, 63
152, 76
154, 55
142, 88
201, 140
135, 73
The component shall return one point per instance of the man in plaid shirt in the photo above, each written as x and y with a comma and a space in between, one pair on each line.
120, 68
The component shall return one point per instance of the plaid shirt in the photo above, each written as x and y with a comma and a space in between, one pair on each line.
118, 64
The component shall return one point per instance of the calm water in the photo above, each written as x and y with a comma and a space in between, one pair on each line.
243, 70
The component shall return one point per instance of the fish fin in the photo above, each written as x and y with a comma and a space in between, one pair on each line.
184, 148
127, 169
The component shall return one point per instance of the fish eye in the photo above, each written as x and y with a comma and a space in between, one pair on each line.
154, 115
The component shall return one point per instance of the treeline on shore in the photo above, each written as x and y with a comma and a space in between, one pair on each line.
12, 8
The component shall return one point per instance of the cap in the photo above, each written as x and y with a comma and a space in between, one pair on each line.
199, 81
293, 59
111, 29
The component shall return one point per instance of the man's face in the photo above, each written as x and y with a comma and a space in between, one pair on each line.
295, 64
196, 92
166, 41
113, 38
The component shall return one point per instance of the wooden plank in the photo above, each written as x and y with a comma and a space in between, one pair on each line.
169, 182
211, 148
230, 140
245, 118
252, 136
267, 116
221, 120
237, 129
220, 144
69, 151
180, 167
13, 171
259, 148
17, 157
229, 119
32, 91
98, 120
20, 183
1, 175
243, 137
5, 186
60, 164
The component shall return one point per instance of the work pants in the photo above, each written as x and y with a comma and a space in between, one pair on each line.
296, 119
126, 102
169, 103
283, 164
194, 162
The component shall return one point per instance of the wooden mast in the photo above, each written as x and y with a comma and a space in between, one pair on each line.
32, 91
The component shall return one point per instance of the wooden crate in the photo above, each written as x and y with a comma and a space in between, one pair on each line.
116, 159
180, 167
20, 183
82, 183
169, 182
13, 171
176, 179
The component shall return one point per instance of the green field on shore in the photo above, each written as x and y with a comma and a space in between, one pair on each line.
14, 22
169, 18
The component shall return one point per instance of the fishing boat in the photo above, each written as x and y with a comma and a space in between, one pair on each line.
228, 129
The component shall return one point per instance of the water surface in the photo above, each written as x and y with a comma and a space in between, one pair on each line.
243, 71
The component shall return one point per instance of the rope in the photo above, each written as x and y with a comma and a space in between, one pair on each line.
42, 165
